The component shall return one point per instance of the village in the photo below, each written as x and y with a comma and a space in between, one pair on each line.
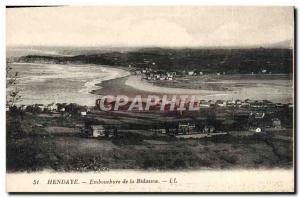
214, 118
149, 73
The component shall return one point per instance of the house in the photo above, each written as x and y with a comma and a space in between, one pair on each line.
220, 103
258, 115
290, 105
238, 102
23, 107
191, 73
276, 123
279, 105
52, 107
245, 104
111, 132
204, 104
248, 101
230, 103
144, 76
208, 129
162, 77
257, 104
186, 128
255, 129
62, 109
83, 113
211, 103
159, 130
41, 107
96, 131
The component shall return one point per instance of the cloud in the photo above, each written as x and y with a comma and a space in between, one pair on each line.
149, 26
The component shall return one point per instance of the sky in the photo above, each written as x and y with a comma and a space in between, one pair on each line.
149, 26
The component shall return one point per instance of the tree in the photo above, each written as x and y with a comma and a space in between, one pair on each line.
12, 90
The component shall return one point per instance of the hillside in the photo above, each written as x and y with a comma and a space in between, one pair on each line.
206, 60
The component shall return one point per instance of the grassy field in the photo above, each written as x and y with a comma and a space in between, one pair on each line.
57, 143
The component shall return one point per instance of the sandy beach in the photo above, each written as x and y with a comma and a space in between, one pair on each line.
143, 85
62, 83
273, 90
82, 84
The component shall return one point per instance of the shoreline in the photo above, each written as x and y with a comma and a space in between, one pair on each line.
120, 81
132, 85
45, 83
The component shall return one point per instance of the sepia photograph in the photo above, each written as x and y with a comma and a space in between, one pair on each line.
150, 99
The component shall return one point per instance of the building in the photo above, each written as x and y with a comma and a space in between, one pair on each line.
258, 115
83, 113
238, 102
159, 130
41, 107
230, 103
52, 107
23, 107
276, 123
96, 131
191, 73
220, 103
204, 104
186, 128
255, 129
208, 129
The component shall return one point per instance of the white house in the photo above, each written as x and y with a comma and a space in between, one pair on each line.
190, 73
204, 104
23, 107
97, 131
52, 107
41, 107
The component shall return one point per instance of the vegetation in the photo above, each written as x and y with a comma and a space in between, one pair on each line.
32, 145
206, 60
13, 92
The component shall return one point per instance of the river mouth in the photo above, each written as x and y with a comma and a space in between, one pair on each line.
82, 84
58, 83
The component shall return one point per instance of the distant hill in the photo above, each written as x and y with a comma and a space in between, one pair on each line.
275, 60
